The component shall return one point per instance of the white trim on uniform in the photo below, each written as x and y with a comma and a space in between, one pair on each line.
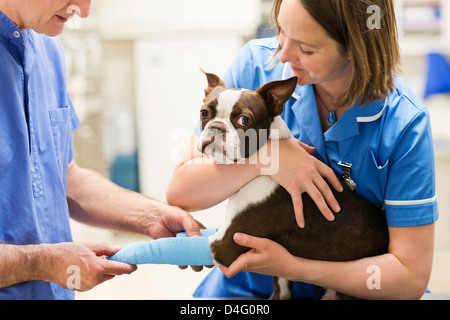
358, 119
372, 118
411, 202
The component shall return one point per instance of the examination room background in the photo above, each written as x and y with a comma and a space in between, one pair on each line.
133, 74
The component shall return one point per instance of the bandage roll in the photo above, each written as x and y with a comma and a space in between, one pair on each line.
180, 250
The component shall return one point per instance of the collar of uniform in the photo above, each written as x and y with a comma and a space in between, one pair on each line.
30, 48
345, 128
371, 112
305, 111
8, 29
17, 42
348, 125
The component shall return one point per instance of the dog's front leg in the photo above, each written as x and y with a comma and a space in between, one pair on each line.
276, 290
282, 289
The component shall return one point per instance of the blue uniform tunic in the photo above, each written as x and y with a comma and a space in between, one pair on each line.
36, 124
388, 143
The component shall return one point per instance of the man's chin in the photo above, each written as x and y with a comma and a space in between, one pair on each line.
52, 29
54, 32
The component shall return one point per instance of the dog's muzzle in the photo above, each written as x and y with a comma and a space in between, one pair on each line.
220, 140
215, 130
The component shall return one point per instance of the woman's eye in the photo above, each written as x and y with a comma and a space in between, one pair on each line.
308, 53
243, 121
204, 114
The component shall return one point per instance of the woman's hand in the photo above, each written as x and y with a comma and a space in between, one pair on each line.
265, 256
298, 172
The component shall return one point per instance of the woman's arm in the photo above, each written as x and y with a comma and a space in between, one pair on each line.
402, 273
199, 183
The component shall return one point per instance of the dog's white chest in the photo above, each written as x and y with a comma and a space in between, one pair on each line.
256, 191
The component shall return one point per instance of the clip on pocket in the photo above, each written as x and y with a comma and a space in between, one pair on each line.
346, 169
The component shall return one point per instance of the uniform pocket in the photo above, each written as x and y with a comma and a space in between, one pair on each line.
59, 119
375, 177
382, 173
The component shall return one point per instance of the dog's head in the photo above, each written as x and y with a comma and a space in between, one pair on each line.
235, 122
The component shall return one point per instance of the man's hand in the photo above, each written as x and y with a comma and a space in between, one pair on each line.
167, 221
59, 260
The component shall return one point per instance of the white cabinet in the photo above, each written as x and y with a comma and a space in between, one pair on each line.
172, 41
152, 54
424, 25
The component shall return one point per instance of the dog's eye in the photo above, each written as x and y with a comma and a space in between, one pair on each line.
204, 114
243, 121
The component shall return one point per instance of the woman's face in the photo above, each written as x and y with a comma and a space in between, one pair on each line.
313, 56
49, 16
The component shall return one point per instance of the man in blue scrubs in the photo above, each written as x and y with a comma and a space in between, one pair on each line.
40, 184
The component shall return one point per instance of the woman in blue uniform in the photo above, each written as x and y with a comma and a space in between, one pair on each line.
351, 107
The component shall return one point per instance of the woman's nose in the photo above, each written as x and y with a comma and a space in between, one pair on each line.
287, 53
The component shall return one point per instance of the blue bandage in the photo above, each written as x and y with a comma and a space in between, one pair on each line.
181, 250
204, 233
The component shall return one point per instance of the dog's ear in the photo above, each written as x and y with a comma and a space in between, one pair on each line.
276, 93
213, 81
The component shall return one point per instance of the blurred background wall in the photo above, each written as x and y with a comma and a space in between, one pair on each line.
134, 76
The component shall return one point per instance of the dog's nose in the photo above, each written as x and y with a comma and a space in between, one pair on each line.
217, 130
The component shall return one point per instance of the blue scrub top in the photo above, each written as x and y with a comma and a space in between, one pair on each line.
388, 143
36, 124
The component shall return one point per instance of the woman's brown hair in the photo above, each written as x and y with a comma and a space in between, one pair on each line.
374, 49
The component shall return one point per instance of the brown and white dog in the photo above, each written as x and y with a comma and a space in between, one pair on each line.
263, 208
